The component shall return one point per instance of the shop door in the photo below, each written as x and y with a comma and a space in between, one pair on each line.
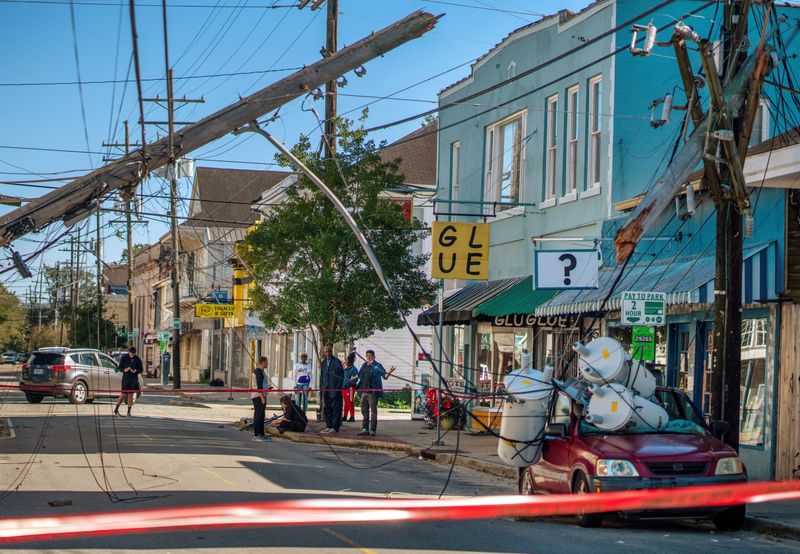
680, 373
705, 366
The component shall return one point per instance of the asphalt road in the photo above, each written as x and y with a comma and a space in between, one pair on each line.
174, 454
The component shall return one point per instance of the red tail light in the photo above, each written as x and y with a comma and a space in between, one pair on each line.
25, 367
61, 368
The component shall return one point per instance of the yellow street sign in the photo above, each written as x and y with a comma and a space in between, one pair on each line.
460, 251
214, 310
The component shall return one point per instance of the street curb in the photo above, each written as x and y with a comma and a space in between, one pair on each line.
442, 458
765, 525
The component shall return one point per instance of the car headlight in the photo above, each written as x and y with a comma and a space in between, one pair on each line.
729, 466
616, 468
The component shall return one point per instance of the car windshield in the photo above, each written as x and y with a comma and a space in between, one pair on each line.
683, 418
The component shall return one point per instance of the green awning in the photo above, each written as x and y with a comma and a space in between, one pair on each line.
519, 299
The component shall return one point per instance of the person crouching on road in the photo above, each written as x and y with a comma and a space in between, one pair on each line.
259, 397
294, 418
348, 388
370, 389
131, 366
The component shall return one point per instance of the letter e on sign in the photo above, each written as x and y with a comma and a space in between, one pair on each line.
460, 251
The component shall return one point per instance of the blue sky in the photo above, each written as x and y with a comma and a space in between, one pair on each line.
37, 40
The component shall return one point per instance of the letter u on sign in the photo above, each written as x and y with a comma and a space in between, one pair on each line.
460, 251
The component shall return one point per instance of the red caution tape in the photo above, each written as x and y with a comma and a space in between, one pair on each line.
325, 512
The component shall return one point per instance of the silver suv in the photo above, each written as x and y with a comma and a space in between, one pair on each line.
80, 374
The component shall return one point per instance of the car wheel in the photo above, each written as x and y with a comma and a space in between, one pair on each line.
731, 519
581, 486
33, 398
79, 393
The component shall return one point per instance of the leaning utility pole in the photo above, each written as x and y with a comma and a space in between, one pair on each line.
72, 198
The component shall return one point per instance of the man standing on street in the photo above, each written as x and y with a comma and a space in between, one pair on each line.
131, 366
370, 389
259, 398
332, 375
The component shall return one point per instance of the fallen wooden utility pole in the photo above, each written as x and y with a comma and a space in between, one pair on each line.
74, 198
661, 195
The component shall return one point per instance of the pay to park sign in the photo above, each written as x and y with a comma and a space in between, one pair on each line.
643, 308
460, 251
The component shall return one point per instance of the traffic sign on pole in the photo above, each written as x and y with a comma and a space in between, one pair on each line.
643, 308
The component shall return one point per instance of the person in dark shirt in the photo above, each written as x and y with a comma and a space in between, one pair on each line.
294, 418
332, 374
259, 398
131, 366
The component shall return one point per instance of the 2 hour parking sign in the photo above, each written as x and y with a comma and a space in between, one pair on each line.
643, 308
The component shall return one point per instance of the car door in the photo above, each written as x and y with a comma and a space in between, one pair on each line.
551, 472
108, 375
90, 366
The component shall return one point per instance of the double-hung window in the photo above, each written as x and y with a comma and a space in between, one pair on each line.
595, 129
551, 161
505, 168
455, 153
572, 141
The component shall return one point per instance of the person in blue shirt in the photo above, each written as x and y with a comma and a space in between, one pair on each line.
370, 389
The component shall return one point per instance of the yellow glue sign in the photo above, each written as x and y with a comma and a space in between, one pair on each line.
460, 251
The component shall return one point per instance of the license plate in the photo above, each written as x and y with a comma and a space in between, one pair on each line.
38, 371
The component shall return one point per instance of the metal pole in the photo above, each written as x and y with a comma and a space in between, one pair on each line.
441, 365
229, 362
176, 293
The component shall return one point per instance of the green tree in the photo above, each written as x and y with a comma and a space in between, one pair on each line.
123, 259
308, 267
13, 321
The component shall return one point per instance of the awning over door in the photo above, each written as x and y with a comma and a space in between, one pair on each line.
685, 281
458, 307
518, 299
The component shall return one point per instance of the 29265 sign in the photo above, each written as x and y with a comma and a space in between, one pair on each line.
460, 251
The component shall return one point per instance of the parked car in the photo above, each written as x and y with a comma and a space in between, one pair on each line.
9, 357
79, 374
22, 357
580, 458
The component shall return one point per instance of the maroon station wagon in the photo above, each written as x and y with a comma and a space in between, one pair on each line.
580, 458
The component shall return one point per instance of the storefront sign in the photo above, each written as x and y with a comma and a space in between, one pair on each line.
460, 251
163, 335
566, 269
214, 310
643, 347
458, 386
643, 308
531, 320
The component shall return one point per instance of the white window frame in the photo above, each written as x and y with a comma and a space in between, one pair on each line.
455, 158
572, 136
594, 142
495, 150
551, 150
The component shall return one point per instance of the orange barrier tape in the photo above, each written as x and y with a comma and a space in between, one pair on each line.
332, 511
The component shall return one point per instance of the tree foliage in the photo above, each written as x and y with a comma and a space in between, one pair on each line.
13, 321
308, 267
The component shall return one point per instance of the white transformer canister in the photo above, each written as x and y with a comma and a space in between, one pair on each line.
524, 415
614, 407
605, 361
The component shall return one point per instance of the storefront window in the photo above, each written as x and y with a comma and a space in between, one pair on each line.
625, 337
484, 381
754, 363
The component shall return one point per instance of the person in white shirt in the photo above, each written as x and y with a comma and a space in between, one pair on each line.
302, 381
